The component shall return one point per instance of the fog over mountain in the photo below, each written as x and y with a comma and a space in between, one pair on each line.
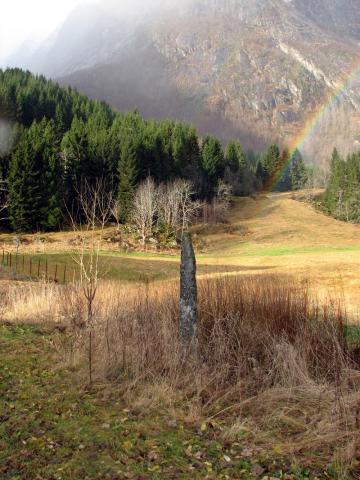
254, 69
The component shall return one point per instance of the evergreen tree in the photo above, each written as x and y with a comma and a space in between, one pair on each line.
96, 142
213, 164
75, 151
53, 176
260, 172
271, 163
239, 174
284, 181
234, 157
298, 172
334, 195
127, 180
34, 180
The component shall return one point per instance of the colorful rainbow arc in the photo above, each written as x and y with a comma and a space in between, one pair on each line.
314, 122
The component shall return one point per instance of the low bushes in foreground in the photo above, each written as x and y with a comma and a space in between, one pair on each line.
274, 366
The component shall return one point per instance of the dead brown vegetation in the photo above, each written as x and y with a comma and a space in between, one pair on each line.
274, 365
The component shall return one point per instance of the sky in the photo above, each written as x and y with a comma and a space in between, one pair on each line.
34, 20
22, 20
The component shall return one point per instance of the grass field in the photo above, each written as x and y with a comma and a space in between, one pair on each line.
287, 236
272, 233
149, 423
52, 428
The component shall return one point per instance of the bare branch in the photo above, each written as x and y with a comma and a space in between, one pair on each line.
96, 206
115, 211
145, 208
4, 203
176, 206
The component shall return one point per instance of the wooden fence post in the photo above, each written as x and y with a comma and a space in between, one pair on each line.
39, 264
56, 269
65, 273
30, 267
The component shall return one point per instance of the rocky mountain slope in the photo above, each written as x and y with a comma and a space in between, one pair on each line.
255, 69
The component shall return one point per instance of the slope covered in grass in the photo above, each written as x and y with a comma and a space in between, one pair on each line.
273, 233
52, 428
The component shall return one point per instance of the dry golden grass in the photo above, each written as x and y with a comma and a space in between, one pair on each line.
273, 369
273, 366
273, 233
286, 236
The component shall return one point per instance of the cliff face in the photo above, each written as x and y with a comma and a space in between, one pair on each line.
255, 69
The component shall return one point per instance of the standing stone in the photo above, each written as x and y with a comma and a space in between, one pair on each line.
188, 292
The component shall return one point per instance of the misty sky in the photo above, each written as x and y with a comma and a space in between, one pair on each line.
22, 20
34, 20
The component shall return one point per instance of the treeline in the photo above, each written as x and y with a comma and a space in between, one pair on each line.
64, 139
342, 196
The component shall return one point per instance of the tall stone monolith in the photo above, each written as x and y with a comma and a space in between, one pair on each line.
188, 292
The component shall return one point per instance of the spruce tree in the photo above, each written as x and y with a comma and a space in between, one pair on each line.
298, 172
284, 182
213, 164
35, 180
53, 176
271, 163
234, 157
75, 152
127, 180
334, 194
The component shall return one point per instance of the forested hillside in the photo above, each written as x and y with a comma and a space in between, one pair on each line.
257, 70
62, 139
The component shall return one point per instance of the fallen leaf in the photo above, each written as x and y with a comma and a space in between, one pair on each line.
127, 445
257, 470
153, 456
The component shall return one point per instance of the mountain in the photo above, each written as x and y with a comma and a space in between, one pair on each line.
260, 70
339, 16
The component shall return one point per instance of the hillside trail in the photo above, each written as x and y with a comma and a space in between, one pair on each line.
279, 234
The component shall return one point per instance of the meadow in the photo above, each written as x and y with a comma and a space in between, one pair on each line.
274, 233
273, 392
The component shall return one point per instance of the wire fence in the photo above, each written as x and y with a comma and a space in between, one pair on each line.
37, 268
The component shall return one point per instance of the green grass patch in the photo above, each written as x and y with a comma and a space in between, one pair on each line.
52, 428
124, 267
113, 267
249, 250
352, 333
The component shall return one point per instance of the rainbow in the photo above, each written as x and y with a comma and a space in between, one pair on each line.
313, 123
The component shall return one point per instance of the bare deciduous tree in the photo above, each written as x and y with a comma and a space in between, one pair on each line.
145, 208
4, 204
215, 211
188, 207
177, 208
96, 207
115, 211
